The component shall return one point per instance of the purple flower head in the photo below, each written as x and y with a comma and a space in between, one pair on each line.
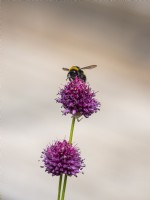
62, 158
77, 98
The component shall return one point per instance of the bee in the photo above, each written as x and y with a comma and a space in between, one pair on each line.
77, 71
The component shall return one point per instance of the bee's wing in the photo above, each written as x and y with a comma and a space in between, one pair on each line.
65, 69
89, 67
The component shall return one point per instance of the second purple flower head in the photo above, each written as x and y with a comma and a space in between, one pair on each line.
62, 158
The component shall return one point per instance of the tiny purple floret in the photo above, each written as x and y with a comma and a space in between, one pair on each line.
62, 158
78, 99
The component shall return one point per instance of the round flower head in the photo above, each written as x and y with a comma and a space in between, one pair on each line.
77, 98
62, 158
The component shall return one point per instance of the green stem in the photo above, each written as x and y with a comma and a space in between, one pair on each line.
59, 187
70, 141
64, 188
71, 130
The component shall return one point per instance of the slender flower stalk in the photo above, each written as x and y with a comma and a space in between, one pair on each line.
64, 188
70, 141
71, 130
59, 187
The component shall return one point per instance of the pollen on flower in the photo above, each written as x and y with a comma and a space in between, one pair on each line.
62, 158
77, 99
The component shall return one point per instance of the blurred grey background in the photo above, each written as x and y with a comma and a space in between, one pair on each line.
38, 39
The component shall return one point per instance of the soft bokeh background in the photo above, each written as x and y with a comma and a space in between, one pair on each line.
38, 39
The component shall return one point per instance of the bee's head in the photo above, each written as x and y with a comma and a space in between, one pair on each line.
73, 72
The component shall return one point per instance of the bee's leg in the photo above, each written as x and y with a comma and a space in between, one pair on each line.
68, 77
84, 78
